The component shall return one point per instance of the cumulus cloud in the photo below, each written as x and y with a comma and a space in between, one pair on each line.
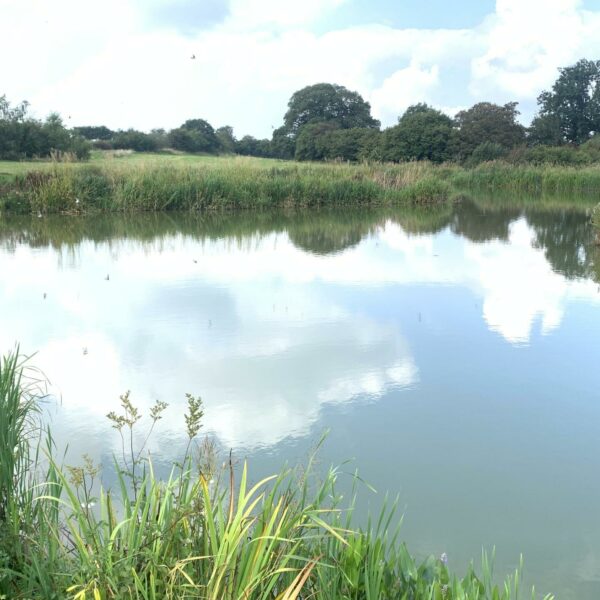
128, 63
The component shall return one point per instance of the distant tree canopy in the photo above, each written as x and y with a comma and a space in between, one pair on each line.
195, 135
422, 133
134, 140
93, 132
226, 139
487, 122
572, 106
330, 103
22, 136
250, 146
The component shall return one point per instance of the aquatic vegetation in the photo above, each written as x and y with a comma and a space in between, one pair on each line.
204, 532
536, 180
225, 183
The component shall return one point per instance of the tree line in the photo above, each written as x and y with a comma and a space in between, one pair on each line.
329, 122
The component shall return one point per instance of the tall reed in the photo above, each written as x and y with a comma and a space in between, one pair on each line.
126, 187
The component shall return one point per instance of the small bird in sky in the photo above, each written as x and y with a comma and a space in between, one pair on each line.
107, 278
193, 57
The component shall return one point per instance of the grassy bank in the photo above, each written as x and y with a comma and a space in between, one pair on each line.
135, 182
203, 533
173, 183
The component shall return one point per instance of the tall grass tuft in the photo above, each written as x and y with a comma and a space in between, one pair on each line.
201, 533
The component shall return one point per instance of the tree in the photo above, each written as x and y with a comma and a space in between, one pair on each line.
24, 137
250, 146
93, 132
327, 102
195, 135
310, 144
487, 122
226, 139
283, 144
574, 101
134, 140
422, 133
545, 130
348, 144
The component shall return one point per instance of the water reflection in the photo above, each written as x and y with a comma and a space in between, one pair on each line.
424, 339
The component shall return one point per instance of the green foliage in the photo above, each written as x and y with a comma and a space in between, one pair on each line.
310, 143
353, 145
200, 534
555, 155
24, 137
282, 144
487, 122
329, 103
545, 130
134, 140
250, 146
574, 101
226, 139
195, 135
422, 133
485, 152
94, 132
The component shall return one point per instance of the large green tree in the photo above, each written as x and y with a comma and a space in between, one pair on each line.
327, 102
574, 101
422, 133
487, 122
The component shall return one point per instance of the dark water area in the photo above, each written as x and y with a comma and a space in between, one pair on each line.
451, 353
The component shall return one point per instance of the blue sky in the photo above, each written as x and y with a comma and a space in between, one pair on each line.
128, 62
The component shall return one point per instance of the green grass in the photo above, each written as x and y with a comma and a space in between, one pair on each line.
202, 533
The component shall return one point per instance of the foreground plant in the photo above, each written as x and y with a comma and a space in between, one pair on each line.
199, 533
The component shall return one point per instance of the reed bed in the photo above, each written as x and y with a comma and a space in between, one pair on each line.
200, 533
537, 180
229, 183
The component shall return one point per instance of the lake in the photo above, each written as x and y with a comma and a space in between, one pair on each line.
451, 353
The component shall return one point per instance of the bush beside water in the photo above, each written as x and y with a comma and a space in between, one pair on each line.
198, 534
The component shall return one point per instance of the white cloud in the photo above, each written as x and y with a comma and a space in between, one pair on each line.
527, 41
403, 88
99, 63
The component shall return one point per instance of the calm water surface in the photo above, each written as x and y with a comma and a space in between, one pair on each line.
453, 354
